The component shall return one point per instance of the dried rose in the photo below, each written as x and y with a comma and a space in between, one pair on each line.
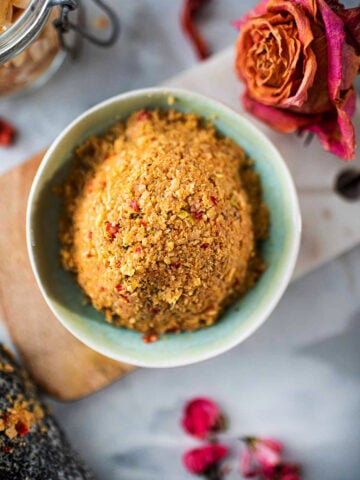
298, 59
201, 417
259, 455
200, 461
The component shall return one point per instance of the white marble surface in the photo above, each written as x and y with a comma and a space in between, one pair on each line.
297, 378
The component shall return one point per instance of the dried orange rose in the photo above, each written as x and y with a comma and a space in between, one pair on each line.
298, 59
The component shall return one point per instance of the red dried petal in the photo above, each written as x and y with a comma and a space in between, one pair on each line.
143, 115
7, 449
197, 214
189, 10
112, 229
134, 205
150, 337
22, 429
7, 133
201, 460
175, 266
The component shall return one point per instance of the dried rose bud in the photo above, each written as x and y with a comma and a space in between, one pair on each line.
200, 461
259, 454
201, 417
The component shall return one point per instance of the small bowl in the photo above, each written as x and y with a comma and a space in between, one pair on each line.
64, 296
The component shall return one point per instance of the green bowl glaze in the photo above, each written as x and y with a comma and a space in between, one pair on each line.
65, 297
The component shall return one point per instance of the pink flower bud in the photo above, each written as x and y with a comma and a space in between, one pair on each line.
201, 417
259, 454
201, 460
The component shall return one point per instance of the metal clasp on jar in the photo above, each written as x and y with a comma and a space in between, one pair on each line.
64, 25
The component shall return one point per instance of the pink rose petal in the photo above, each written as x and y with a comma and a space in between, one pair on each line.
336, 133
279, 119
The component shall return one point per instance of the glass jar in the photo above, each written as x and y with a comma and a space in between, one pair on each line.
32, 40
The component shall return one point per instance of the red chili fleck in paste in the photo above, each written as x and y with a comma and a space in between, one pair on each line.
138, 249
150, 337
7, 449
119, 287
197, 214
204, 246
7, 133
173, 330
90, 235
143, 223
134, 205
112, 229
175, 266
22, 429
126, 298
143, 115
153, 311
214, 200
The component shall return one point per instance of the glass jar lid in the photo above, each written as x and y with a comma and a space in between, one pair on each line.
28, 26
19, 35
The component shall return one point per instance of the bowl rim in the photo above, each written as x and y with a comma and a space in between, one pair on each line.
289, 262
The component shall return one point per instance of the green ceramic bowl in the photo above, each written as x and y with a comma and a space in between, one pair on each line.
65, 298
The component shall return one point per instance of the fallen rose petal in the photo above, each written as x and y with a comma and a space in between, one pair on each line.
200, 460
201, 417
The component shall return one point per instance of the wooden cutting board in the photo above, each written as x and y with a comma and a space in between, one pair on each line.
58, 362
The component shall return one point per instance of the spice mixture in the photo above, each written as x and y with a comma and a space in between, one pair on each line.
162, 222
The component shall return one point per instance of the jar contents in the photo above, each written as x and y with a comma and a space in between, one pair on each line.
36, 59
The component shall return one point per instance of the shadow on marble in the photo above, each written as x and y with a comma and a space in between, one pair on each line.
342, 351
